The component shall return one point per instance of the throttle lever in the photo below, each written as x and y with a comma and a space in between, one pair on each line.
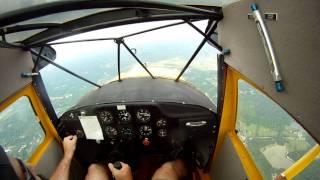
117, 165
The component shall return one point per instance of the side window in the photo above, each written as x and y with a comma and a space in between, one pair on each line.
272, 137
20, 130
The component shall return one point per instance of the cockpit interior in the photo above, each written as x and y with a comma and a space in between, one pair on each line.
231, 87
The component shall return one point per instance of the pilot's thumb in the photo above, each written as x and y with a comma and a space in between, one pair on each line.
112, 168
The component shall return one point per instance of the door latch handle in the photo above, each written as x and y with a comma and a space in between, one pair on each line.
196, 123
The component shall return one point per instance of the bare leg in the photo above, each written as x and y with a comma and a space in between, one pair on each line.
97, 172
173, 170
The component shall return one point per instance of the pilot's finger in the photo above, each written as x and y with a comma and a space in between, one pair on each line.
124, 164
112, 168
74, 138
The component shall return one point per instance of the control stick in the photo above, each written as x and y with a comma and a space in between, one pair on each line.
117, 165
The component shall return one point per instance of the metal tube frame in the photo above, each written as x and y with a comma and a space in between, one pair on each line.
118, 49
120, 40
37, 60
204, 35
136, 58
63, 68
205, 39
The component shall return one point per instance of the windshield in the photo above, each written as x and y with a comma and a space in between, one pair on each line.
163, 52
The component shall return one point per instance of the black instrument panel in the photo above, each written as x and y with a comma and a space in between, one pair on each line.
123, 122
146, 127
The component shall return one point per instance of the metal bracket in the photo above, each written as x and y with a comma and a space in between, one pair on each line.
267, 16
28, 74
119, 40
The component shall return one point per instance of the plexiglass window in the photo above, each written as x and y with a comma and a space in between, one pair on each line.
20, 130
164, 52
272, 137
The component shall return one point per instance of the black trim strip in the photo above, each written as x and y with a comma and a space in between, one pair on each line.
45, 100
27, 27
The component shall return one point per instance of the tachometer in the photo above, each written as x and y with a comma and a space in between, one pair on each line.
143, 115
106, 117
124, 117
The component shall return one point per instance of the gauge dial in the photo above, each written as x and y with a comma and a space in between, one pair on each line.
161, 123
111, 132
106, 117
145, 131
124, 117
126, 133
143, 115
162, 133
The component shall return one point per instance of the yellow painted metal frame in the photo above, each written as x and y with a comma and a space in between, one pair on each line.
50, 132
302, 163
227, 128
228, 122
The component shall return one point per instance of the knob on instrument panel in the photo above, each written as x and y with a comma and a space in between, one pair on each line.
117, 165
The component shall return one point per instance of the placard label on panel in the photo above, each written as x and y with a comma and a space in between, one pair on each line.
91, 127
121, 107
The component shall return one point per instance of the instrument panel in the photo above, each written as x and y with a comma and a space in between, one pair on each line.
126, 124
141, 128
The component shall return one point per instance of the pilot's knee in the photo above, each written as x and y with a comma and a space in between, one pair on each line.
95, 167
97, 171
166, 171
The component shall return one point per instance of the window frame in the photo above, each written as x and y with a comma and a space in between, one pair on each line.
228, 128
49, 131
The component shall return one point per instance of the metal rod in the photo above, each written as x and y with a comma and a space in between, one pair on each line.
64, 69
125, 36
119, 61
192, 58
83, 40
145, 68
204, 35
152, 29
37, 60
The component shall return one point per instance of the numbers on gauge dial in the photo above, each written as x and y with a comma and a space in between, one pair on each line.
124, 117
111, 132
106, 117
145, 131
143, 115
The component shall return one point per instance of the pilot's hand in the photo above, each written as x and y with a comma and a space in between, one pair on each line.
69, 146
123, 174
